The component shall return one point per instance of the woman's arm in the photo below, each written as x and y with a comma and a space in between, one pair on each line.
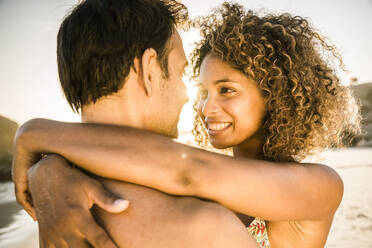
272, 191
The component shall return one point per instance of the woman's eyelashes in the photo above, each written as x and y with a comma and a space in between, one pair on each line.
226, 90
223, 91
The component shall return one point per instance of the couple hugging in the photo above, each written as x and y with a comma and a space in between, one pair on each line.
266, 91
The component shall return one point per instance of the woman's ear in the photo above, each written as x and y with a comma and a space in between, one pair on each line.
150, 70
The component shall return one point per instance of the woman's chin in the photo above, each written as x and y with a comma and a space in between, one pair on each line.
220, 145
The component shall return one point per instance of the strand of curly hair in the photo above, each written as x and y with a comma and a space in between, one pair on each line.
307, 108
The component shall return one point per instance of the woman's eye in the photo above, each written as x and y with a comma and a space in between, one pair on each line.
225, 90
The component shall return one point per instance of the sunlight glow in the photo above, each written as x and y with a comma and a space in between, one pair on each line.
186, 122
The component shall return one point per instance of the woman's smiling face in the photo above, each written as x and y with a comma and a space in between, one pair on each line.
231, 105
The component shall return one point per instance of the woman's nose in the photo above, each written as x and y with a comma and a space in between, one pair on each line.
209, 107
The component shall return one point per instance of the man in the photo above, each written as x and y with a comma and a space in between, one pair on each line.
139, 157
121, 63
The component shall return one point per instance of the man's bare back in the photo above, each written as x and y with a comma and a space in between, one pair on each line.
155, 219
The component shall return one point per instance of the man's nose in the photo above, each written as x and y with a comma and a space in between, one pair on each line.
186, 98
184, 95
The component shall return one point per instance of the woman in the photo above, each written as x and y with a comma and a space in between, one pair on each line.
267, 92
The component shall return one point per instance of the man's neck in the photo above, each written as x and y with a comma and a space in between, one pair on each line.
112, 111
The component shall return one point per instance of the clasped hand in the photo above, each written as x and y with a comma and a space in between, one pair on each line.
60, 197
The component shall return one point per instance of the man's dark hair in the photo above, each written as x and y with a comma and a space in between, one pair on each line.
99, 40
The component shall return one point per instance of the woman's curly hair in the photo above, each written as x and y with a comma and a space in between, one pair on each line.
308, 109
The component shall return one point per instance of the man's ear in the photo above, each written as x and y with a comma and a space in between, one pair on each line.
150, 70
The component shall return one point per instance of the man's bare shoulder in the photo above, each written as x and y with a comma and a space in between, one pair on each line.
156, 219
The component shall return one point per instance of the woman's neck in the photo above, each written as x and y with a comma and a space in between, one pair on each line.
250, 148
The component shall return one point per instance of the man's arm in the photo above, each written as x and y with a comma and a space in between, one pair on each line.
62, 197
272, 191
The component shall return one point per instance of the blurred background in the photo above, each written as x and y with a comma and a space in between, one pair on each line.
29, 88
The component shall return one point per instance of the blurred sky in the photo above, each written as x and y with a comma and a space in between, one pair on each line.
29, 84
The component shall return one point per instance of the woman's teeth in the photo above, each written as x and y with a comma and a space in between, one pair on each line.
218, 126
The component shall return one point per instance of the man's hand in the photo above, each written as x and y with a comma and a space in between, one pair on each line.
62, 197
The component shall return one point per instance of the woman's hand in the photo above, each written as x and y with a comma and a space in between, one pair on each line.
62, 197
23, 159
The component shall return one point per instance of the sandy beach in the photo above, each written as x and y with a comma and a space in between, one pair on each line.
17, 229
352, 225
